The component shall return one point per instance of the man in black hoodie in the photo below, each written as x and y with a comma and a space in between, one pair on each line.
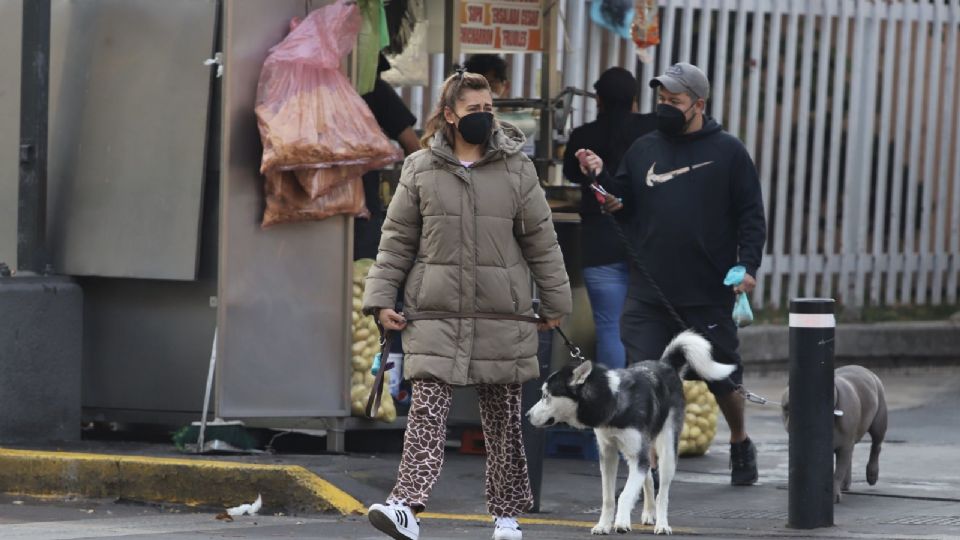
689, 197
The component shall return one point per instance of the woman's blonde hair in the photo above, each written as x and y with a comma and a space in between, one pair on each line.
451, 91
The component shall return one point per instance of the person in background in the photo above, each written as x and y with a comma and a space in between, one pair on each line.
605, 268
690, 197
397, 122
468, 226
494, 68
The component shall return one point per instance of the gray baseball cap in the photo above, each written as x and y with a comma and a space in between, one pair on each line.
684, 77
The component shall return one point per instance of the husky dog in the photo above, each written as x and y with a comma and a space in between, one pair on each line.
630, 409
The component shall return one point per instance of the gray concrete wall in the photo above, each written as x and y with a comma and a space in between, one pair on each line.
905, 342
10, 23
41, 327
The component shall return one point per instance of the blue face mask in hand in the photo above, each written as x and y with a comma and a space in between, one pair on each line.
742, 314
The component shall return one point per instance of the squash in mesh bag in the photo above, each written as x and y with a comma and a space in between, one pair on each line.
700, 419
366, 344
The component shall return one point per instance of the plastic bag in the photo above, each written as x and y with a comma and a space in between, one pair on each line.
410, 68
374, 36
645, 29
742, 314
319, 182
307, 111
288, 202
614, 15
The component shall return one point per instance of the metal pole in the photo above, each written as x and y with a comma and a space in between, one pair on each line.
451, 36
810, 496
34, 103
548, 71
206, 396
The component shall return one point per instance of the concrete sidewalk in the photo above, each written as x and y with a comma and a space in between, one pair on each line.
918, 495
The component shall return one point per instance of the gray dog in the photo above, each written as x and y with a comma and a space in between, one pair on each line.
861, 407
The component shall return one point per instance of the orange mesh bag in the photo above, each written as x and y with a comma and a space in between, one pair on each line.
308, 113
288, 202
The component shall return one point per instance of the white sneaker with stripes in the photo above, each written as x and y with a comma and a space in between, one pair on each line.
507, 528
396, 520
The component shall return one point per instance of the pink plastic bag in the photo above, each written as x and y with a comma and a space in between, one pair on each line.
288, 202
319, 182
308, 113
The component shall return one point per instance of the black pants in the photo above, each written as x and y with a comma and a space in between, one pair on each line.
646, 329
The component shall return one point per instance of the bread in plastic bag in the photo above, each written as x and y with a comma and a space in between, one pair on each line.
288, 202
307, 111
319, 182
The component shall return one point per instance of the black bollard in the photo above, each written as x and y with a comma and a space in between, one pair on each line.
812, 326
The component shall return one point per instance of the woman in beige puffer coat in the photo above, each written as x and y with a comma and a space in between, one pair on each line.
467, 228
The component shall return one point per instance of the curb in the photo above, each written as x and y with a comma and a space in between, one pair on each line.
194, 482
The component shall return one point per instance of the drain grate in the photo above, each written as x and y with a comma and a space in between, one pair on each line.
925, 520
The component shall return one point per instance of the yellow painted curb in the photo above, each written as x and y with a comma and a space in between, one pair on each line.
198, 482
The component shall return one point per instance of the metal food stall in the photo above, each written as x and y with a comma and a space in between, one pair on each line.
154, 207
155, 200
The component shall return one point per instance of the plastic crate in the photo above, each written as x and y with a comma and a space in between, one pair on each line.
471, 442
571, 443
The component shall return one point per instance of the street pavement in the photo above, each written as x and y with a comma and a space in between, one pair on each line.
917, 496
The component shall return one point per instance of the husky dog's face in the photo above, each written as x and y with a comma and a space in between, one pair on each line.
559, 401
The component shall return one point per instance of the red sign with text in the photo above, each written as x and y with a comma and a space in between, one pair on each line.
500, 26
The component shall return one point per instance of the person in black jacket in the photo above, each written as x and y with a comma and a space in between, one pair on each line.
494, 68
397, 122
689, 196
605, 270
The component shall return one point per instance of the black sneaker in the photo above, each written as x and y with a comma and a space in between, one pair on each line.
743, 462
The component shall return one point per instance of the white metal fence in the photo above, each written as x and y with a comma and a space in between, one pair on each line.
851, 110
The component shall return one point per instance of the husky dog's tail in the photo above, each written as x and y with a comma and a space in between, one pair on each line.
693, 350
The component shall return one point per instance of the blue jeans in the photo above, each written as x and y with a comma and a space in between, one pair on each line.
607, 289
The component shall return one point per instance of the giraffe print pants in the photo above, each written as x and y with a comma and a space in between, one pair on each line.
507, 482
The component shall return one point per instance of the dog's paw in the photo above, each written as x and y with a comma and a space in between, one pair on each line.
873, 472
601, 529
623, 525
647, 518
662, 529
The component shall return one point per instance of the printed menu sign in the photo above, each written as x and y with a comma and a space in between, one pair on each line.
487, 26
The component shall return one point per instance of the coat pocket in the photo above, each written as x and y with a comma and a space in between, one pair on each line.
440, 288
521, 287
414, 286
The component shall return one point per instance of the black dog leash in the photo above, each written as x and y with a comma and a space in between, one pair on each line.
638, 264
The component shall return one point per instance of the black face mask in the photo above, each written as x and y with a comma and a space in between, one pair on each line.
671, 120
476, 127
